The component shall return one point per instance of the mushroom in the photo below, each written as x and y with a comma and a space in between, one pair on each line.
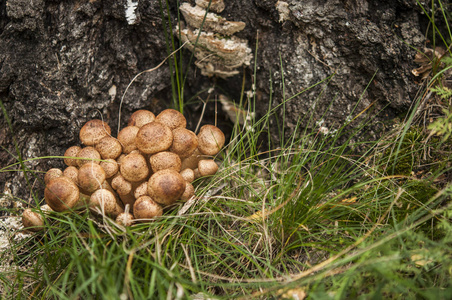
71, 172
146, 208
171, 118
185, 142
188, 193
165, 160
210, 140
141, 190
166, 186
120, 185
61, 194
70, 156
106, 201
52, 173
90, 154
125, 219
215, 5
91, 176
154, 137
93, 131
32, 221
191, 162
134, 167
141, 117
127, 137
197, 18
109, 147
110, 167
207, 167
188, 175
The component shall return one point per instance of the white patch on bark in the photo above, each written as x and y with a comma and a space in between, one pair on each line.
131, 16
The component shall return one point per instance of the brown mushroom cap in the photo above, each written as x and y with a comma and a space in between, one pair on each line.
72, 152
210, 140
185, 142
71, 172
154, 137
171, 118
146, 208
207, 167
110, 166
109, 147
61, 194
106, 200
188, 174
52, 173
90, 154
91, 176
188, 193
134, 167
93, 131
32, 221
127, 137
120, 185
166, 186
165, 160
141, 117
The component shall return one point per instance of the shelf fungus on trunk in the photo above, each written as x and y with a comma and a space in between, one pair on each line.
210, 38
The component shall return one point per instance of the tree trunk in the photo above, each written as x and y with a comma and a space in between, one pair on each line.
63, 63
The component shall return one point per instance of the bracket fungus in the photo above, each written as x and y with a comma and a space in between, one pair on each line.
210, 38
139, 170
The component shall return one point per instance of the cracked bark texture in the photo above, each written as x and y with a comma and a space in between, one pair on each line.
63, 63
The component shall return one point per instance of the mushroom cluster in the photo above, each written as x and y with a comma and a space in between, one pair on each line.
217, 50
151, 164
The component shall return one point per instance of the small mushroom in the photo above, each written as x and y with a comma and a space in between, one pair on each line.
61, 194
165, 160
191, 162
188, 193
141, 190
121, 185
141, 117
146, 208
185, 142
106, 201
93, 131
110, 167
71, 172
91, 176
109, 147
70, 156
171, 118
134, 167
188, 174
32, 221
125, 219
52, 173
127, 137
210, 140
89, 154
166, 186
207, 167
154, 137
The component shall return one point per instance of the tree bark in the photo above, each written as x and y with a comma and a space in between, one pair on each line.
63, 63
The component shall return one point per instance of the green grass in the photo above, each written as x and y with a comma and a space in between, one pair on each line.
332, 216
